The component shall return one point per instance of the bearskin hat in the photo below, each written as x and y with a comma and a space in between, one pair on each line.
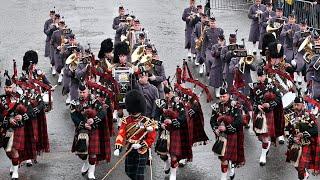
135, 102
275, 50
120, 48
266, 40
29, 57
106, 47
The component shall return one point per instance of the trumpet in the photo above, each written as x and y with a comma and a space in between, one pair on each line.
201, 38
307, 47
249, 59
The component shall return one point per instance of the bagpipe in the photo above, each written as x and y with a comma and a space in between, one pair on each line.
30, 83
184, 75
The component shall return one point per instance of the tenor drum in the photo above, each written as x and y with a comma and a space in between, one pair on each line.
123, 76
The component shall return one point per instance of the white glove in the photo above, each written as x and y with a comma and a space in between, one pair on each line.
149, 128
116, 152
293, 62
152, 78
136, 146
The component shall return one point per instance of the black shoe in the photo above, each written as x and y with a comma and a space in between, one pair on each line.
167, 171
262, 164
247, 126
29, 164
84, 173
281, 142
14, 178
232, 177
92, 179
115, 120
189, 58
11, 173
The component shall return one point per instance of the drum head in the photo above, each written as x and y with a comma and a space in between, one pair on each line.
288, 99
45, 97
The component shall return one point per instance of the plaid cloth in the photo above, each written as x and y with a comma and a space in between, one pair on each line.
30, 150
309, 156
231, 153
105, 148
43, 140
135, 164
270, 123
196, 125
19, 139
179, 143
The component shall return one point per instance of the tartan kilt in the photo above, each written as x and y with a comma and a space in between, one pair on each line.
179, 143
270, 123
231, 152
105, 147
30, 150
196, 128
310, 157
94, 142
135, 164
43, 138
19, 139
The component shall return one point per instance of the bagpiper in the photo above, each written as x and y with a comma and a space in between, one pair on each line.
138, 133
92, 139
16, 111
171, 115
302, 133
226, 123
268, 112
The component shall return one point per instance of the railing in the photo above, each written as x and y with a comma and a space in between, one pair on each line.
236, 5
304, 10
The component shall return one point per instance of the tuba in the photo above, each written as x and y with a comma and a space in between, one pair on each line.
307, 47
72, 61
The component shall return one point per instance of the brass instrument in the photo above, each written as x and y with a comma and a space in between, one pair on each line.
201, 38
249, 59
307, 47
72, 61
137, 54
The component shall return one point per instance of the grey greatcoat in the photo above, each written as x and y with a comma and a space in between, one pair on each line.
254, 34
46, 27
264, 23
159, 73
116, 26
287, 34
226, 56
72, 79
210, 38
215, 64
198, 29
151, 94
234, 66
298, 56
57, 56
189, 25
314, 76
49, 33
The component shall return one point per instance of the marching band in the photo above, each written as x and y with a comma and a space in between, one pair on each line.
127, 85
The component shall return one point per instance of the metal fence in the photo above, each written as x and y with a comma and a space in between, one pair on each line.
304, 10
235, 5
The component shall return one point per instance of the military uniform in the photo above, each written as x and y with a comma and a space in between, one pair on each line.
57, 56
228, 115
180, 146
46, 27
287, 33
302, 131
94, 141
189, 25
160, 77
138, 132
298, 57
265, 17
215, 66
254, 34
